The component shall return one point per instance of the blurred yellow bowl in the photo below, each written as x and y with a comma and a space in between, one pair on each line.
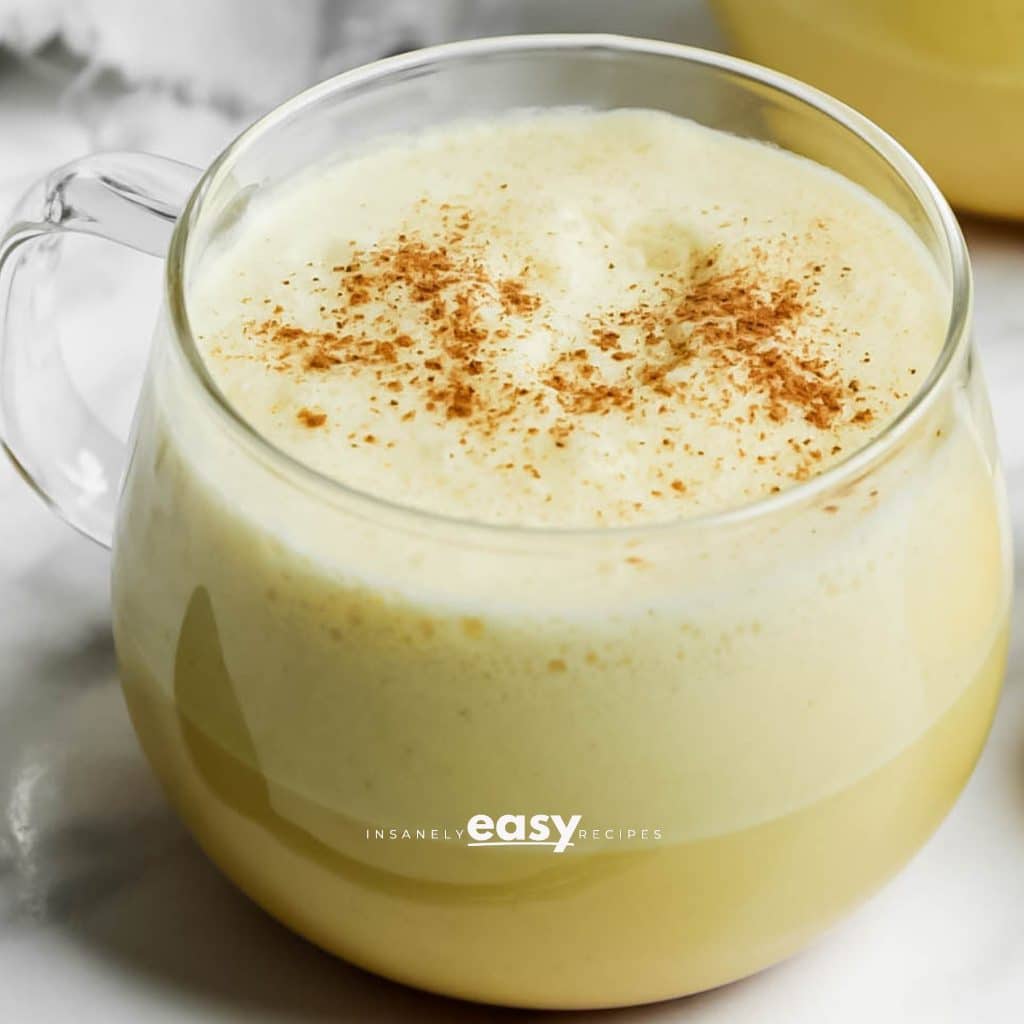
946, 77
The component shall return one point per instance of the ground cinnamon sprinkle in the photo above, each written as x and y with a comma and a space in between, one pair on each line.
433, 325
515, 298
311, 419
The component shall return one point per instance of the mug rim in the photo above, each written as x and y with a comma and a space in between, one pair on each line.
926, 193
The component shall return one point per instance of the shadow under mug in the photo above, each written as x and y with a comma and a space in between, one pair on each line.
790, 700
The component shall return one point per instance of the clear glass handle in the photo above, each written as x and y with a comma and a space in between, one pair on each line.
57, 443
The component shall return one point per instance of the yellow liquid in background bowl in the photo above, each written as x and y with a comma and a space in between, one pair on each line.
945, 77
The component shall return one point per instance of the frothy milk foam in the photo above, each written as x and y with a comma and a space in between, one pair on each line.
571, 320
566, 319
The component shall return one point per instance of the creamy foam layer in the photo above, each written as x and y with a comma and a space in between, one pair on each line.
570, 318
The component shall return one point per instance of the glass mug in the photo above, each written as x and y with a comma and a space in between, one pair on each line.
535, 767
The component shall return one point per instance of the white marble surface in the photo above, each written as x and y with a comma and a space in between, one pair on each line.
108, 911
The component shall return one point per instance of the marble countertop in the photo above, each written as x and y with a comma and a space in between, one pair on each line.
108, 911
